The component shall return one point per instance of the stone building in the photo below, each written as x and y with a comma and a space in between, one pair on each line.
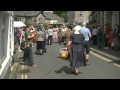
78, 16
100, 18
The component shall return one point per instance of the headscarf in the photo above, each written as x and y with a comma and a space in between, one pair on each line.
77, 29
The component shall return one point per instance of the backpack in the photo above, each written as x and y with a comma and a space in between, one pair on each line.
24, 45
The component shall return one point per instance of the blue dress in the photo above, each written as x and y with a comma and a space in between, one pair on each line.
77, 56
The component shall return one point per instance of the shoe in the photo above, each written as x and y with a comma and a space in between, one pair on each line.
72, 72
76, 73
106, 47
87, 63
41, 53
19, 50
34, 65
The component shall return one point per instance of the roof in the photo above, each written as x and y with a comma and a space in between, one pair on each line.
52, 16
26, 13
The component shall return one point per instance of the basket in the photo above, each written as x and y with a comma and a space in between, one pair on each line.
63, 54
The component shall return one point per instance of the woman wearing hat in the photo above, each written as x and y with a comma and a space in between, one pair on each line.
77, 57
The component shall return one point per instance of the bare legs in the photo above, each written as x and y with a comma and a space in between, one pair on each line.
75, 70
87, 57
39, 51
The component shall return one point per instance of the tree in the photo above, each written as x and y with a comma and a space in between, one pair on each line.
62, 14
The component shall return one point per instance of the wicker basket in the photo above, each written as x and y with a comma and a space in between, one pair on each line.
63, 54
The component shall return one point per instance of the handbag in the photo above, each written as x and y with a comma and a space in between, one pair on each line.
24, 45
34, 39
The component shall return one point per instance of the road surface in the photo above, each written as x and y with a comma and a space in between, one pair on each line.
52, 67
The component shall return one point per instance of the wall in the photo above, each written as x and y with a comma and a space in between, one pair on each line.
6, 48
30, 20
115, 19
70, 16
40, 19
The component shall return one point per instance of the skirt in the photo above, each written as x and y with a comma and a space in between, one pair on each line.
40, 44
55, 35
77, 56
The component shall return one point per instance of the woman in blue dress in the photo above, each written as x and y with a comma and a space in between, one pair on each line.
77, 56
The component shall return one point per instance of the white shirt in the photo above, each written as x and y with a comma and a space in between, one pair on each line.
94, 31
50, 32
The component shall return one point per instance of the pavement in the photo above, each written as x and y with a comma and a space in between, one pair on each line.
114, 55
52, 67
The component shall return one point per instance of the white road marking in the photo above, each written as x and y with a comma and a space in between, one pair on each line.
22, 77
25, 66
117, 65
22, 66
101, 57
25, 76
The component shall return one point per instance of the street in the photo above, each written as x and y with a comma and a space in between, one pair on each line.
52, 67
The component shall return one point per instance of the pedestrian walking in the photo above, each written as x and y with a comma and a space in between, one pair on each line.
87, 35
63, 31
94, 35
77, 57
45, 38
50, 35
55, 33
59, 35
66, 36
40, 41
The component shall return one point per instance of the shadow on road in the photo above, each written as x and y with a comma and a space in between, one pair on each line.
65, 69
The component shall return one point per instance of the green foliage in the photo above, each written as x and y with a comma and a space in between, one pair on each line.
16, 18
62, 14
45, 25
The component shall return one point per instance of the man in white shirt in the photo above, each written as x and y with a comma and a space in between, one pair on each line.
94, 33
50, 35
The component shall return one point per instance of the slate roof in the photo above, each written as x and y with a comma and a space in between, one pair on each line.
52, 16
26, 13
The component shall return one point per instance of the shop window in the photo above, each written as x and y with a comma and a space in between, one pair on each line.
3, 36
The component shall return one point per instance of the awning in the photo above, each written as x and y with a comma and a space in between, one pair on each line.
19, 24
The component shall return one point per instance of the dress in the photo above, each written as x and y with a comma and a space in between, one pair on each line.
77, 56
55, 33
40, 40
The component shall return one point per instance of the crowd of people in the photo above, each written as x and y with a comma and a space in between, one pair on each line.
76, 39
108, 38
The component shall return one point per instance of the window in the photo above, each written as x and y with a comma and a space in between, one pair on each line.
80, 13
3, 35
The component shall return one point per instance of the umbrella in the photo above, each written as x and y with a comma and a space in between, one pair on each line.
19, 24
